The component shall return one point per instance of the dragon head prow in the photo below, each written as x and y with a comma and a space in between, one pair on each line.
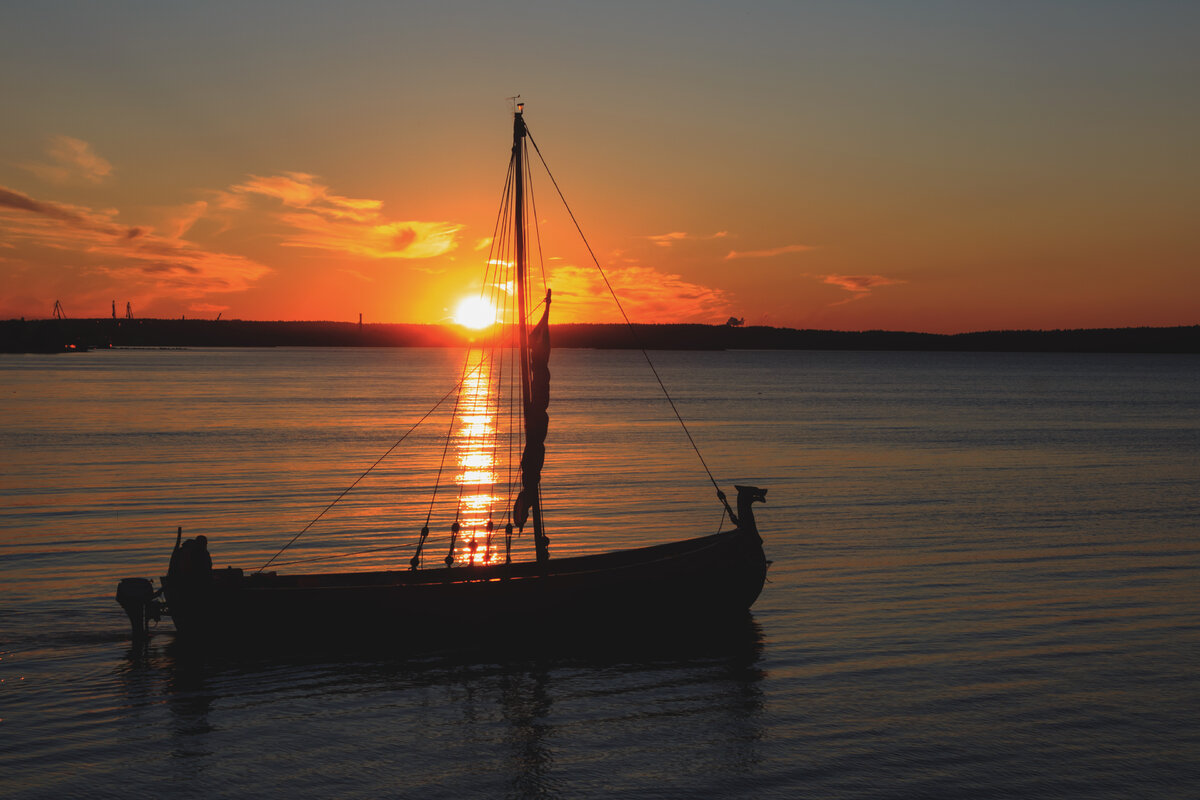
752, 494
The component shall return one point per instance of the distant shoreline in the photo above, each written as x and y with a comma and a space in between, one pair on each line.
59, 335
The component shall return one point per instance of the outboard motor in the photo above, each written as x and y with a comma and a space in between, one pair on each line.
137, 597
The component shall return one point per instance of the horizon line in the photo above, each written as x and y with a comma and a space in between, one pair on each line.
718, 325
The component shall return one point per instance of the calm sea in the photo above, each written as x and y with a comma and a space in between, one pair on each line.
986, 578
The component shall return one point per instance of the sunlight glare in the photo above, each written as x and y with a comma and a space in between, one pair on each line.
475, 312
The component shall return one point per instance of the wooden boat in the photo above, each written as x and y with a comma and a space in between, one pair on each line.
693, 582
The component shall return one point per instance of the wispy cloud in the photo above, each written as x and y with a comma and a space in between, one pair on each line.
646, 294
316, 218
70, 160
357, 274
182, 221
189, 272
385, 240
301, 190
774, 251
859, 285
96, 242
668, 239
220, 243
30, 218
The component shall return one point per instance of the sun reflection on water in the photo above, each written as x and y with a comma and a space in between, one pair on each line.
475, 439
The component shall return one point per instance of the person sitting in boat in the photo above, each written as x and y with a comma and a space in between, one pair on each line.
201, 560
191, 564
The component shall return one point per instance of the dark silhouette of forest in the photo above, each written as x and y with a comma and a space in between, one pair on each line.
59, 335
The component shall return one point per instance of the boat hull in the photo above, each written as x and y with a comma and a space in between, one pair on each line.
687, 583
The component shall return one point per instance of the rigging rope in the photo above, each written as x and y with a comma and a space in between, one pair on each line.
633, 331
537, 230
357, 480
446, 447
500, 248
353, 554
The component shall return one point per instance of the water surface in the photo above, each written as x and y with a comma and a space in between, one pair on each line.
985, 578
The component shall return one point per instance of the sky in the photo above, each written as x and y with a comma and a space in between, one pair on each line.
853, 165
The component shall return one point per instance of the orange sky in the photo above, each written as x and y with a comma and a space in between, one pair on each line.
941, 167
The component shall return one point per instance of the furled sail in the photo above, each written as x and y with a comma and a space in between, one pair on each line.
537, 421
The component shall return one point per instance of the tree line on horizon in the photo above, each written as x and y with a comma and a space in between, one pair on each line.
54, 335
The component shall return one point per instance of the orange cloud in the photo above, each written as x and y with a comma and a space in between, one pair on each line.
186, 217
321, 220
84, 254
385, 240
72, 160
356, 274
668, 239
94, 241
300, 190
59, 225
646, 294
860, 285
189, 272
776, 251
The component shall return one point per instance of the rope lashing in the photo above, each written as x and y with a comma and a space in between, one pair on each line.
725, 502
487, 548
453, 541
416, 559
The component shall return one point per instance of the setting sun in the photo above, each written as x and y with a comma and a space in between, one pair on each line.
475, 312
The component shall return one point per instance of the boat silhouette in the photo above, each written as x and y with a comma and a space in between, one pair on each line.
479, 589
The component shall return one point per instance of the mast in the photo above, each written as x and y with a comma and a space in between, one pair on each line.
541, 543
518, 156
